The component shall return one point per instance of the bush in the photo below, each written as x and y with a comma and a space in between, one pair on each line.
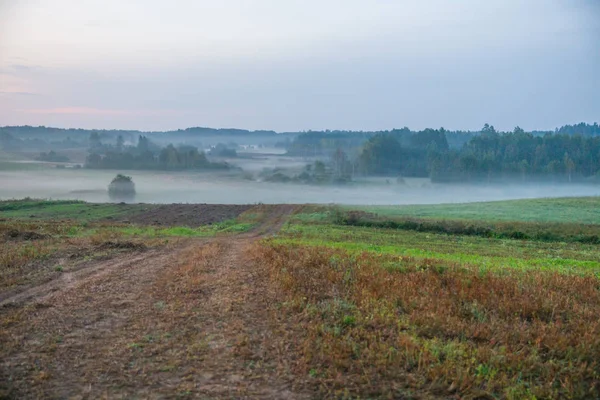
121, 188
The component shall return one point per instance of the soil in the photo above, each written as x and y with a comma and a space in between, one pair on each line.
192, 215
189, 319
15, 234
122, 245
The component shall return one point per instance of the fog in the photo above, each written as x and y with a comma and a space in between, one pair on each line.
156, 187
294, 67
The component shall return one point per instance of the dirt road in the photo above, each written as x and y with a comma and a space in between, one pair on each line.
190, 319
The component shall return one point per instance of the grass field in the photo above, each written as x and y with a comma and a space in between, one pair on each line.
451, 314
377, 302
583, 210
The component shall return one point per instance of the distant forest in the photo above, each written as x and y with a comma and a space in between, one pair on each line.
569, 153
146, 155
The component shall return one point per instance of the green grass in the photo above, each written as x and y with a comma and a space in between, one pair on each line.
444, 294
73, 218
63, 209
583, 210
230, 226
481, 253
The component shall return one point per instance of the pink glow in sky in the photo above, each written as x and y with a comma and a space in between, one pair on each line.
295, 65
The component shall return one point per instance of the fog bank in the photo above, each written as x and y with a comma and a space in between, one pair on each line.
153, 187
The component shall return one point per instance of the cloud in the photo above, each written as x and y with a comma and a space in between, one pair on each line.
21, 67
17, 69
19, 93
100, 111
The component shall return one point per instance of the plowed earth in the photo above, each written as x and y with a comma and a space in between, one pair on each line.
192, 215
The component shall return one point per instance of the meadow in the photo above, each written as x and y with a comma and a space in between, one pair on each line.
581, 210
344, 302
383, 312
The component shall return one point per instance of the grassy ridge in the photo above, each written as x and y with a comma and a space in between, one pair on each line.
538, 231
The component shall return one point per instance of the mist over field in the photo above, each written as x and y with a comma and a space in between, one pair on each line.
164, 187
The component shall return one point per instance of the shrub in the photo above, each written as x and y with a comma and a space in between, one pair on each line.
121, 188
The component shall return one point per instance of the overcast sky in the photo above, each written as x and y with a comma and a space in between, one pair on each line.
299, 64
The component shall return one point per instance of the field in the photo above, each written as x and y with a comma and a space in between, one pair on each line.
583, 210
484, 300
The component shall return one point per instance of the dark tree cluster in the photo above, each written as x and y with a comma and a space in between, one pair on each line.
488, 156
385, 155
223, 150
146, 156
494, 155
52, 156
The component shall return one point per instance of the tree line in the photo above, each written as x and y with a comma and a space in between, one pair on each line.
146, 155
489, 156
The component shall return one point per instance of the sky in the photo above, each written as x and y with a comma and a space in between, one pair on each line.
299, 64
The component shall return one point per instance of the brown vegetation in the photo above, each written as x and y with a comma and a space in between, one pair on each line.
386, 326
244, 317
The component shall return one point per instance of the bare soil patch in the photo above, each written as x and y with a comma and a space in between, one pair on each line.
126, 245
15, 234
192, 215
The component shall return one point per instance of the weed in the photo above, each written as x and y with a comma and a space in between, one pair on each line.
510, 333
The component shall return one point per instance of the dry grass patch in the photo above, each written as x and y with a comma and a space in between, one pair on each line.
385, 326
33, 252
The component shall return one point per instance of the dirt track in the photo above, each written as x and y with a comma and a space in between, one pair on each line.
190, 319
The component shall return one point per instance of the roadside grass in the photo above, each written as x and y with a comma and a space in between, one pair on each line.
580, 210
362, 324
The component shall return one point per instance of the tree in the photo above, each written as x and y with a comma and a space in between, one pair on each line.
320, 171
93, 160
342, 168
95, 142
382, 154
120, 143
121, 188
569, 165
143, 144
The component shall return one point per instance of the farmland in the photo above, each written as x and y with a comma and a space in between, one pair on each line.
482, 300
